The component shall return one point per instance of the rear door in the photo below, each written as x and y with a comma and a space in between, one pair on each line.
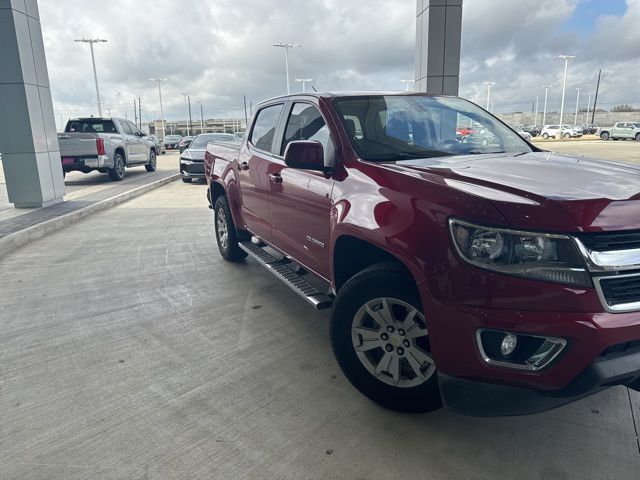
253, 161
301, 199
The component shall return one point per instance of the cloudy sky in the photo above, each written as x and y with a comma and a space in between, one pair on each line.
221, 50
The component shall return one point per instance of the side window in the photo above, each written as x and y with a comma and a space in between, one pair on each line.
126, 128
306, 123
264, 128
133, 128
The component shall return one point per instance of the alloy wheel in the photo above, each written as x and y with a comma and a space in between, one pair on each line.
222, 228
390, 339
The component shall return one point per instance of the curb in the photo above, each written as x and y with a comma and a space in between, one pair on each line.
22, 237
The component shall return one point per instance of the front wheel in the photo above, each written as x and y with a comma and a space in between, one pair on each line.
153, 162
380, 340
604, 136
567, 135
226, 234
545, 136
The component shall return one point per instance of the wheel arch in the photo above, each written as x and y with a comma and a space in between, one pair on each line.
352, 254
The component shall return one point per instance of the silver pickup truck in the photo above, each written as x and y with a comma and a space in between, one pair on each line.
108, 145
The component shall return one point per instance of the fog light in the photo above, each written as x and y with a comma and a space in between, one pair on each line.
508, 345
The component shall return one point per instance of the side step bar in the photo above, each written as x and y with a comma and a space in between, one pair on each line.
295, 281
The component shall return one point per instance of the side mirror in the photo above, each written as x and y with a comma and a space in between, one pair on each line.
305, 155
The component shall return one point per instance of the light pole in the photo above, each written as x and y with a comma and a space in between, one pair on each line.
159, 82
91, 41
201, 116
489, 84
575, 121
185, 95
546, 95
535, 117
286, 47
304, 82
588, 107
566, 59
407, 83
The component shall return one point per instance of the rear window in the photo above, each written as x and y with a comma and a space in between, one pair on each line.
91, 126
264, 128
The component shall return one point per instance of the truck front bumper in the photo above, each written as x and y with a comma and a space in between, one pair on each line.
487, 399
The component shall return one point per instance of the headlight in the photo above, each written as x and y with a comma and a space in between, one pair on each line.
548, 257
186, 154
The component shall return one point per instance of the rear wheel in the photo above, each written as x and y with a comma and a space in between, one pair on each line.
380, 340
153, 162
637, 137
117, 172
567, 135
226, 234
545, 136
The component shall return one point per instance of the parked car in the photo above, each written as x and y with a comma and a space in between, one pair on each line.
171, 142
160, 148
525, 135
493, 279
184, 143
533, 130
590, 128
108, 145
192, 158
621, 131
553, 131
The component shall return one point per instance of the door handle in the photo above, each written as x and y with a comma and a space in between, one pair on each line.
275, 177
244, 166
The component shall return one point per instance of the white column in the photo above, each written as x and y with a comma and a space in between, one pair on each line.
28, 140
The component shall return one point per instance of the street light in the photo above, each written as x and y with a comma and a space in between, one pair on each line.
566, 59
185, 95
407, 83
286, 47
304, 82
546, 95
201, 116
575, 121
91, 41
489, 84
535, 118
159, 82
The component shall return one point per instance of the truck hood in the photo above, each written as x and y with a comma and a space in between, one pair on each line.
544, 190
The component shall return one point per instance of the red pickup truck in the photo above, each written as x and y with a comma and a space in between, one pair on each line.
492, 277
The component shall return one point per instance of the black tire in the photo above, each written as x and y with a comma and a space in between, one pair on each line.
153, 162
604, 136
567, 135
117, 172
187, 180
384, 280
228, 246
637, 137
545, 136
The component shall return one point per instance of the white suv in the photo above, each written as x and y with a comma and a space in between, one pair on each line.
553, 131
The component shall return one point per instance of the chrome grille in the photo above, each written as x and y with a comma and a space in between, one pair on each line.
608, 242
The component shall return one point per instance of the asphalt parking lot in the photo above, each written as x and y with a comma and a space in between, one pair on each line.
129, 349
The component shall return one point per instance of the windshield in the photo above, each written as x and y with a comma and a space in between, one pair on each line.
172, 138
397, 127
201, 141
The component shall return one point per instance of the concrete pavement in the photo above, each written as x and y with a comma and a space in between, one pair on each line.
130, 350
86, 194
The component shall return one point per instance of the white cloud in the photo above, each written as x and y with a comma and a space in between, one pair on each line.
221, 50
